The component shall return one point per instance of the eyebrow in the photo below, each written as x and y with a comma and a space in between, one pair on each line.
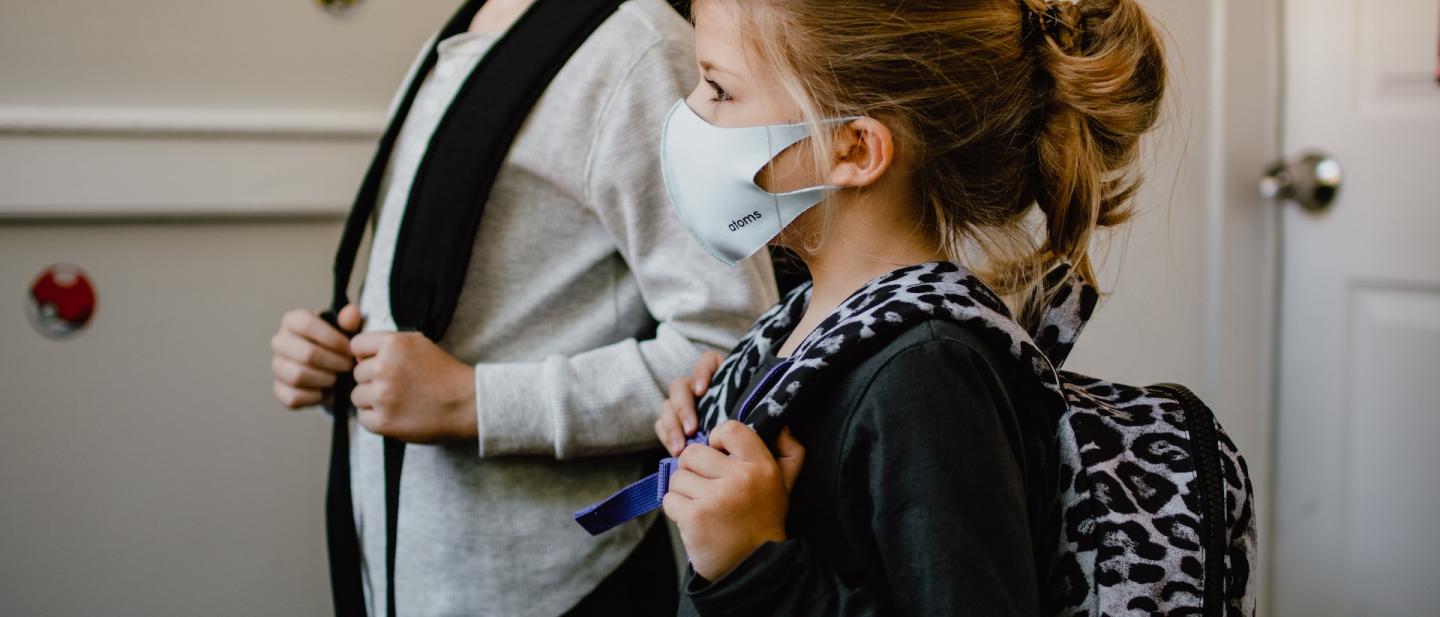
706, 65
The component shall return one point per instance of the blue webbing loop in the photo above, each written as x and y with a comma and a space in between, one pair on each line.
648, 494
634, 501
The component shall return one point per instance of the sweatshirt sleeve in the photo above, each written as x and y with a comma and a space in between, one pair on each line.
931, 491
606, 400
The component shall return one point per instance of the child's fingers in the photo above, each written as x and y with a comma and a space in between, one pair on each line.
678, 507
683, 402
366, 370
293, 373
290, 345
363, 397
704, 370
790, 455
295, 398
368, 344
667, 429
704, 460
689, 484
309, 326
739, 441
688, 418
350, 319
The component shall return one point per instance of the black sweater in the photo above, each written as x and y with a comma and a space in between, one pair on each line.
924, 478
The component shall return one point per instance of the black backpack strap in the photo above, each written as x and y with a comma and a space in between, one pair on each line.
394, 463
443, 214
682, 7
342, 540
465, 155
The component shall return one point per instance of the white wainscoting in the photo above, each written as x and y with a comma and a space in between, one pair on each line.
120, 163
196, 108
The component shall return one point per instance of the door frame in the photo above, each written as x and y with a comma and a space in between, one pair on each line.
1242, 367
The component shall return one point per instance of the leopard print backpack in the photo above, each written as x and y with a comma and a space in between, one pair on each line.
1154, 504
1155, 501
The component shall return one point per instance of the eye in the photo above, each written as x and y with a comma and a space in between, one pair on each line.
720, 94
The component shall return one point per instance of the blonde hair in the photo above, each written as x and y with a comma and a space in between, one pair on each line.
1002, 106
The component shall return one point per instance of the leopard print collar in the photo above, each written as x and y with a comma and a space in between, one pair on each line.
874, 315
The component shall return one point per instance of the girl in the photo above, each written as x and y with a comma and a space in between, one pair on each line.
934, 135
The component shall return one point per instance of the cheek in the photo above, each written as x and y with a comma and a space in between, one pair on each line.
803, 234
793, 170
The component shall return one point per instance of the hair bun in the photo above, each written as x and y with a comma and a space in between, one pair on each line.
1071, 24
1107, 77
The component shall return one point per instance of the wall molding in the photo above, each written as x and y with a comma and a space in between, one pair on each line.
159, 122
63, 214
71, 163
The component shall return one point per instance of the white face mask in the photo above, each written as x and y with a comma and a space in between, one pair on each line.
710, 175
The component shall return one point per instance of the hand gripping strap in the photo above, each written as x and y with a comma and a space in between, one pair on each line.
648, 494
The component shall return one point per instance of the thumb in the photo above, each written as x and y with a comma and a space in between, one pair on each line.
350, 319
790, 455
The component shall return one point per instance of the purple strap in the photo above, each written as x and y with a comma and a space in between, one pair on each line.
634, 501
648, 494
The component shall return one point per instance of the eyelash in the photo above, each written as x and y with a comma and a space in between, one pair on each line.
720, 94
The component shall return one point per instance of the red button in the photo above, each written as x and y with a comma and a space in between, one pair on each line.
62, 301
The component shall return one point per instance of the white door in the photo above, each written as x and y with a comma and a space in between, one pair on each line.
1357, 520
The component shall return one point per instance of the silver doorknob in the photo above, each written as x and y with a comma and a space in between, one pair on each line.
1313, 181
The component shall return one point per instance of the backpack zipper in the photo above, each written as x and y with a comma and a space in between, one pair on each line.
1205, 446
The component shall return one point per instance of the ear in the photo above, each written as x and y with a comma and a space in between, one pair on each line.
864, 151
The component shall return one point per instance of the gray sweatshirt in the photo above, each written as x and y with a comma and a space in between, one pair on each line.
584, 298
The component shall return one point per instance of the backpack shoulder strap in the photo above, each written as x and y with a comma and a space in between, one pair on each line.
883, 309
342, 538
729, 380
1071, 304
869, 319
438, 231
467, 151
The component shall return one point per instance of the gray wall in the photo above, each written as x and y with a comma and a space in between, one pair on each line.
144, 466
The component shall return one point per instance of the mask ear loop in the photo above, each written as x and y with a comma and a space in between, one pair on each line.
770, 147
770, 165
